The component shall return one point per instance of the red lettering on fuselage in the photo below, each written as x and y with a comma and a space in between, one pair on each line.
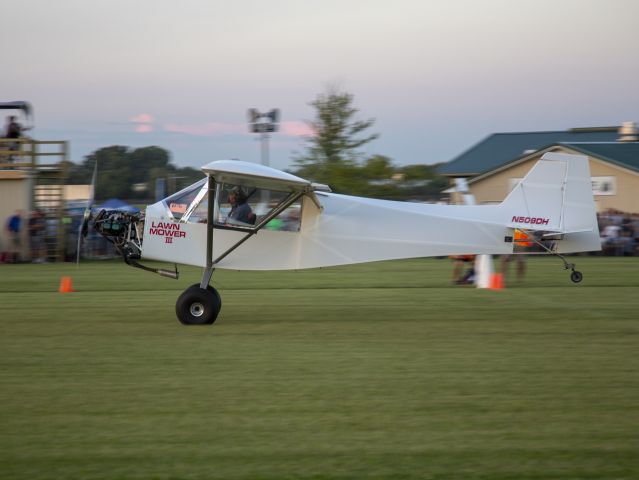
167, 230
167, 233
530, 220
166, 225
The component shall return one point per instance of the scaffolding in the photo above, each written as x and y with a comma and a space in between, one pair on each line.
41, 167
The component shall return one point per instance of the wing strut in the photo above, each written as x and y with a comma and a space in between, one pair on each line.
210, 263
208, 270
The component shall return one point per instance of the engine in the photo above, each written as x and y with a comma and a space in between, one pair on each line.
125, 231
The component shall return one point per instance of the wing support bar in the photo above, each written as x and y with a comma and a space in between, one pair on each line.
210, 262
208, 270
287, 202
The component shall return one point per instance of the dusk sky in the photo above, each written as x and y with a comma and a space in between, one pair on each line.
438, 76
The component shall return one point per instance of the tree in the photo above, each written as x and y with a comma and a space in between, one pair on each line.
119, 168
332, 149
378, 167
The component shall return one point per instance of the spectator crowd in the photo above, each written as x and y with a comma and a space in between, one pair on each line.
34, 237
619, 233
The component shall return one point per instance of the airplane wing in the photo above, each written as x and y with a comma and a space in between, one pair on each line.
244, 173
236, 172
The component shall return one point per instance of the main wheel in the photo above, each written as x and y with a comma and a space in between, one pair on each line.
576, 276
197, 306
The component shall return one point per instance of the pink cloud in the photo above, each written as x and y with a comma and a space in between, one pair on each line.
142, 118
296, 129
211, 129
206, 129
143, 128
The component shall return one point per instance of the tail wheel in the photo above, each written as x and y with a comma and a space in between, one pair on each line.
197, 306
576, 276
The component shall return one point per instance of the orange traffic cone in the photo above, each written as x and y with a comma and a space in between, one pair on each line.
496, 281
66, 285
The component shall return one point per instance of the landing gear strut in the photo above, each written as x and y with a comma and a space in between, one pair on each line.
197, 306
575, 275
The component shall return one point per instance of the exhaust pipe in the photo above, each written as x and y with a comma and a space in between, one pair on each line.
168, 273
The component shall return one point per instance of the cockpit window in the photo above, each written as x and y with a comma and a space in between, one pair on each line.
200, 211
288, 220
245, 207
179, 202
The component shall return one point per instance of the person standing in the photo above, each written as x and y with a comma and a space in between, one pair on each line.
14, 226
522, 242
13, 131
36, 237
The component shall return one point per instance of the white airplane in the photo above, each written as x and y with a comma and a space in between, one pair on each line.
244, 216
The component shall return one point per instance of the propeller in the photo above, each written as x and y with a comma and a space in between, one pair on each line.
84, 226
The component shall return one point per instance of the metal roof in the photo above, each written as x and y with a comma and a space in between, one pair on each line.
623, 154
502, 148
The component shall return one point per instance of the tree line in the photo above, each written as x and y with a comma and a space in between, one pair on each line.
123, 172
331, 156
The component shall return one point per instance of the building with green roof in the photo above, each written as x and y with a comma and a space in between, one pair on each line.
501, 148
495, 165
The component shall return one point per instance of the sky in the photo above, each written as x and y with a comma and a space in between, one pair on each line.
437, 76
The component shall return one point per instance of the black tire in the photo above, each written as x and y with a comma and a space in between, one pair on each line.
576, 276
212, 290
217, 294
197, 306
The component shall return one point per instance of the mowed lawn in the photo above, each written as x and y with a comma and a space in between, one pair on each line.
371, 371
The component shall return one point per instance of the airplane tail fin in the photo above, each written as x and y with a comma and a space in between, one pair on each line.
556, 196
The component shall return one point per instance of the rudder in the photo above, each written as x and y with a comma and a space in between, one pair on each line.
556, 196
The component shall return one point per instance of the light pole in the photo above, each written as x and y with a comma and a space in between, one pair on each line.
264, 123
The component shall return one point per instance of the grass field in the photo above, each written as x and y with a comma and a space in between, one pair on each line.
373, 371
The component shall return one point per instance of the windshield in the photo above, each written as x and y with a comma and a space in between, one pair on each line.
179, 202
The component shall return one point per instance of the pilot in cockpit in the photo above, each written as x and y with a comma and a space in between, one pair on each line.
241, 212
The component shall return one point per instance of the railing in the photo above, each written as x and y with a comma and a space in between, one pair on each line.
28, 153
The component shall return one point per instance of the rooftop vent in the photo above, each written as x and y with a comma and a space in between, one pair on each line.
628, 132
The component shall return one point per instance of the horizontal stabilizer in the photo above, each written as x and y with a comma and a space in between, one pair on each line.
552, 234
